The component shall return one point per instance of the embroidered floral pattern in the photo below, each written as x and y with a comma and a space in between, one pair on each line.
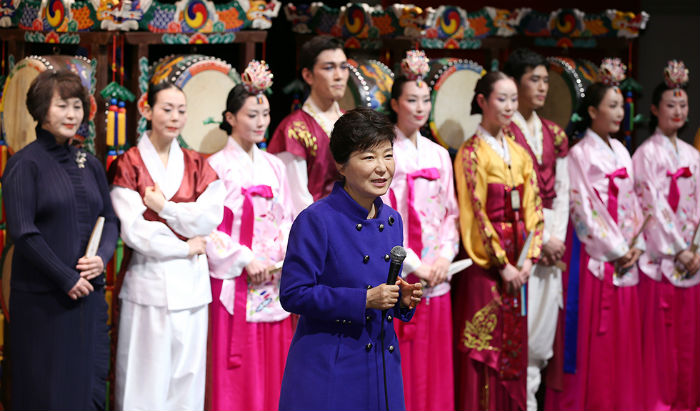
536, 246
478, 333
470, 164
300, 132
561, 141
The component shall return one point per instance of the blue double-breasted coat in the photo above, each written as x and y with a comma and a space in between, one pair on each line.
335, 254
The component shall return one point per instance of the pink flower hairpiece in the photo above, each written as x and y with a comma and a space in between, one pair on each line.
257, 78
415, 65
675, 74
612, 71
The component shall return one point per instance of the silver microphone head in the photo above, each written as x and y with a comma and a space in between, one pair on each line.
398, 254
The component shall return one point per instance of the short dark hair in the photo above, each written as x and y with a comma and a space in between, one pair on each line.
595, 93
357, 130
520, 61
64, 82
312, 48
484, 87
659, 91
154, 89
396, 91
234, 102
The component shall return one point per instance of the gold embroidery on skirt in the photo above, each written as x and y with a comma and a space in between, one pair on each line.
477, 332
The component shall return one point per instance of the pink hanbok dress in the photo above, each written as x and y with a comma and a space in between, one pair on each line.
422, 191
667, 181
249, 332
606, 216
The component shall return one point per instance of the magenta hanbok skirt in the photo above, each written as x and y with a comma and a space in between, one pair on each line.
426, 356
256, 383
670, 345
609, 349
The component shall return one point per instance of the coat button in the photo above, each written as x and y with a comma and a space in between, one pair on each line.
381, 227
389, 318
368, 347
391, 220
358, 226
368, 318
369, 287
386, 257
391, 348
365, 259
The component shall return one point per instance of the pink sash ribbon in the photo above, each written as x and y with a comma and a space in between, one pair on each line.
415, 233
674, 194
407, 330
613, 190
238, 337
609, 270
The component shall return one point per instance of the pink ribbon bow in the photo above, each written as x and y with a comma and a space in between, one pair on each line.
674, 194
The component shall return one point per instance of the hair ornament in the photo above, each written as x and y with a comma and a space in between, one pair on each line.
257, 78
612, 72
676, 75
415, 65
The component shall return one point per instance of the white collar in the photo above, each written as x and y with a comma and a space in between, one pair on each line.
311, 109
168, 179
500, 146
600, 142
534, 141
236, 149
667, 142
403, 140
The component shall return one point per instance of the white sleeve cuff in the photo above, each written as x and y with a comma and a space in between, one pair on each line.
412, 261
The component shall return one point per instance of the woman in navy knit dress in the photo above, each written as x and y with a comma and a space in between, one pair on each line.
53, 194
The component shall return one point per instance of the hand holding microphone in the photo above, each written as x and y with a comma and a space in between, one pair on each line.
385, 296
410, 293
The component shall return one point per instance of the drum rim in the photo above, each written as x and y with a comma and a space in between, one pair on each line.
5, 305
579, 91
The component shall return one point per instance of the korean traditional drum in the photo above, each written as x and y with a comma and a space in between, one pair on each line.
369, 85
206, 82
568, 80
452, 82
5, 281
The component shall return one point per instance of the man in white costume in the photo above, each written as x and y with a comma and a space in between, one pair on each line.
548, 145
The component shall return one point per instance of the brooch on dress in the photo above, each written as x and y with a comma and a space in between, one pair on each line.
80, 158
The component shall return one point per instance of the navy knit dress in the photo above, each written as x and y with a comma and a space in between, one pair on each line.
59, 348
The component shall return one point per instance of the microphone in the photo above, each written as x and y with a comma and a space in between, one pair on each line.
398, 254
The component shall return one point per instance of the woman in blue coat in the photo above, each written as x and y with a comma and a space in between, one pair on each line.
334, 277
